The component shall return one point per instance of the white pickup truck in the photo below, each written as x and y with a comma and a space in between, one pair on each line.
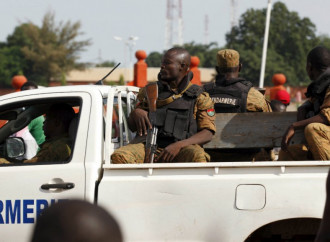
216, 201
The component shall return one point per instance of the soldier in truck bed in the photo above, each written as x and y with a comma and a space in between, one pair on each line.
233, 94
185, 116
314, 115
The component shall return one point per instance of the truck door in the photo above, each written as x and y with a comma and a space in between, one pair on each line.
27, 188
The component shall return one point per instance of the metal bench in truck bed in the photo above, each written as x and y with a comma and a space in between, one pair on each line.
252, 130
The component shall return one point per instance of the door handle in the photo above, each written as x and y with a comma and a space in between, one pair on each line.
66, 186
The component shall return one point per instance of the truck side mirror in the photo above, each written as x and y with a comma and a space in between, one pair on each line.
14, 147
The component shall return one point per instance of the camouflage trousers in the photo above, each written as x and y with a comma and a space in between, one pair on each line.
318, 145
134, 153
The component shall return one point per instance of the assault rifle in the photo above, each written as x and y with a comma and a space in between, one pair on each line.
151, 146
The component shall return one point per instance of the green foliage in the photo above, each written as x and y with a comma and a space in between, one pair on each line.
154, 59
290, 40
121, 80
63, 79
206, 53
106, 64
11, 63
43, 53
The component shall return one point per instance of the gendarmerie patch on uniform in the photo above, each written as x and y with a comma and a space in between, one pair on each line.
210, 112
225, 100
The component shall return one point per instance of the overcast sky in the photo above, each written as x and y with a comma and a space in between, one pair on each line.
103, 19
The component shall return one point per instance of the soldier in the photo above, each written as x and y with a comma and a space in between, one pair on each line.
281, 101
231, 93
185, 116
57, 146
314, 114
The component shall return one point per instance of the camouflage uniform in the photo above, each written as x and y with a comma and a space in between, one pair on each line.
53, 150
317, 137
134, 153
256, 102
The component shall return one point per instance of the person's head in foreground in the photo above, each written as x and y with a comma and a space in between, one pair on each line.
76, 220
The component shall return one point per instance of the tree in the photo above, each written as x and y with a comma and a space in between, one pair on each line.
11, 63
106, 64
206, 53
154, 59
290, 40
46, 52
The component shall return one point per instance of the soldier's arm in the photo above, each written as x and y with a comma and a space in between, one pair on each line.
205, 114
300, 125
138, 120
325, 108
256, 102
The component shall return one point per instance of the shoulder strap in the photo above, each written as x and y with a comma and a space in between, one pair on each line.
170, 99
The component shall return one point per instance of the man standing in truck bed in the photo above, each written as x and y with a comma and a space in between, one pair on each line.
314, 114
180, 104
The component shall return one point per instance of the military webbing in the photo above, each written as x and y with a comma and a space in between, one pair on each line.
170, 99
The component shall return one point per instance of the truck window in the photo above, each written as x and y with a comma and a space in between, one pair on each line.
39, 132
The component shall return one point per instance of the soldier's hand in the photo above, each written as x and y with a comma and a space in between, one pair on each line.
141, 121
170, 152
287, 137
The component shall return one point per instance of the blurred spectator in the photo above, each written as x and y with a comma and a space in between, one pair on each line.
35, 126
283, 96
75, 220
278, 106
278, 80
281, 101
29, 86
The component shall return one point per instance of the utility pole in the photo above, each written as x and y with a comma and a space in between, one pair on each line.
174, 23
265, 45
206, 30
233, 5
130, 42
